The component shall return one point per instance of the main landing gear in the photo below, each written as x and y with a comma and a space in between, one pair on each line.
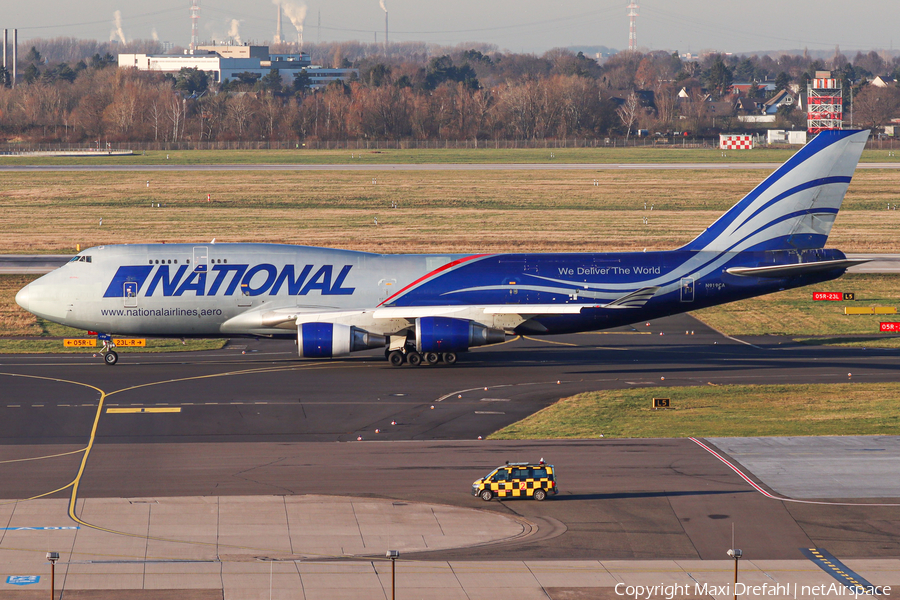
110, 356
398, 357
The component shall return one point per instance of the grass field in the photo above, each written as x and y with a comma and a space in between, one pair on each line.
489, 211
484, 154
794, 313
711, 411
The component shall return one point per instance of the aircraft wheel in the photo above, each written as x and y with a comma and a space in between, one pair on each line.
432, 358
414, 358
395, 358
111, 358
450, 358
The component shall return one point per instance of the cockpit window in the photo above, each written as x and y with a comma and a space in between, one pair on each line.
81, 258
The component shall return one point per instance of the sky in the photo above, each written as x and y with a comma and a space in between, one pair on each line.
517, 26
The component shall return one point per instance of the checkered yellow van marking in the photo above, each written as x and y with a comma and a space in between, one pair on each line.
517, 481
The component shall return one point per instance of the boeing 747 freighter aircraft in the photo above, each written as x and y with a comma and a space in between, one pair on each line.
430, 307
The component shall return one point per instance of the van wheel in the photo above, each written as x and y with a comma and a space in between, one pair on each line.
111, 358
486, 495
540, 495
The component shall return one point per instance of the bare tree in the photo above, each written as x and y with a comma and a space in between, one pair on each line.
240, 112
875, 106
156, 110
628, 113
176, 109
665, 96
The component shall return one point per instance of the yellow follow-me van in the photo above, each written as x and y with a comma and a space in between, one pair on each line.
517, 480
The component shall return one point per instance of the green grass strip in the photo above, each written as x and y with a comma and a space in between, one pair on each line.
718, 411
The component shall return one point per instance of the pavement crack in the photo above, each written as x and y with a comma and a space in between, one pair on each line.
287, 521
241, 475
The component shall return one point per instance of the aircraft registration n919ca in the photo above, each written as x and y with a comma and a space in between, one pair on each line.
431, 307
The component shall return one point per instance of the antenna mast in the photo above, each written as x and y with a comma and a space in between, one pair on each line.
195, 24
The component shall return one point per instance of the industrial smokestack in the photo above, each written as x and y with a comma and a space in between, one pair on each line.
278, 25
5, 44
384, 8
296, 14
117, 29
15, 61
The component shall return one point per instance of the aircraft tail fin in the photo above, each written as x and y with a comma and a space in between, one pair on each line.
795, 207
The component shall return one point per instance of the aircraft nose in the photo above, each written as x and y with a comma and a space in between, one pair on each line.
23, 297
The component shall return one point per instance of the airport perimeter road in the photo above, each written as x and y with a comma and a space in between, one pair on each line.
739, 166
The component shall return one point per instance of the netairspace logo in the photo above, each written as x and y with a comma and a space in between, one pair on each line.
792, 590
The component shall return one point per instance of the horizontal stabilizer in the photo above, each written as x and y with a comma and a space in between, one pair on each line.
777, 271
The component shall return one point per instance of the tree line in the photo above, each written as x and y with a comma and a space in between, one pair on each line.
408, 92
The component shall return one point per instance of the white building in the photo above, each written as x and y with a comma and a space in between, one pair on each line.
225, 62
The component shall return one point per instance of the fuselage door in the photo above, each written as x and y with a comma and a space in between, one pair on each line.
244, 298
130, 294
386, 287
687, 289
201, 258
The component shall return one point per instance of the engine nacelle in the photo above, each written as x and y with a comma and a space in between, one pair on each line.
325, 340
445, 334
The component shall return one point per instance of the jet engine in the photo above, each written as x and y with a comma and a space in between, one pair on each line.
324, 340
445, 334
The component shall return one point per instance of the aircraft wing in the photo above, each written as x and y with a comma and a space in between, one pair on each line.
777, 271
290, 317
531, 310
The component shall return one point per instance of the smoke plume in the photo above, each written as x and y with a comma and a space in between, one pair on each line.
117, 29
383, 7
234, 32
297, 14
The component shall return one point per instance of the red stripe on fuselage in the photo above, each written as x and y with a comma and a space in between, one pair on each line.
449, 265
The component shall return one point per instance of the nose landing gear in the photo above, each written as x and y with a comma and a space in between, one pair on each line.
110, 356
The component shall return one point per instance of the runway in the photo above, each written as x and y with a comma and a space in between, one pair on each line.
739, 166
255, 421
